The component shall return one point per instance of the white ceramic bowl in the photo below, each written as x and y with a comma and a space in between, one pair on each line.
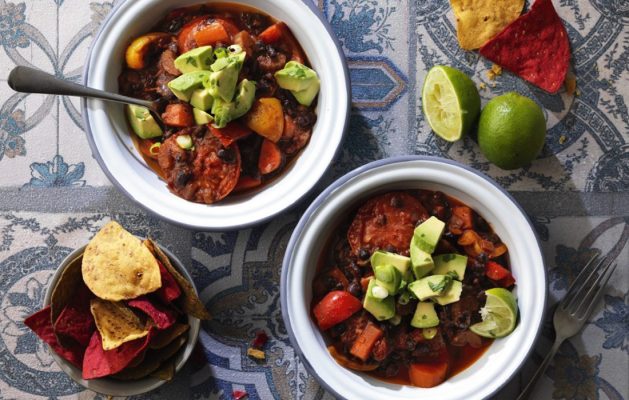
112, 147
113, 387
504, 356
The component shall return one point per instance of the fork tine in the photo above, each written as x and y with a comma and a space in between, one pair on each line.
586, 286
601, 282
577, 283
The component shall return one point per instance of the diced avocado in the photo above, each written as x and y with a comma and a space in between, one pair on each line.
429, 333
229, 56
222, 82
421, 261
450, 264
400, 262
245, 95
201, 99
452, 294
142, 122
381, 309
302, 81
425, 315
428, 233
306, 96
222, 111
197, 59
388, 277
295, 76
430, 286
201, 117
185, 84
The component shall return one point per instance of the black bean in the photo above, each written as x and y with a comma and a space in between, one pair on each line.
363, 254
396, 202
182, 178
355, 289
226, 155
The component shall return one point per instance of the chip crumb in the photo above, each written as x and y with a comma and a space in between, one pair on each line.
482, 86
562, 139
239, 395
256, 353
571, 84
260, 340
577, 92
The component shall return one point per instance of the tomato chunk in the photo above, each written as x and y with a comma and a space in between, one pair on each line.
335, 308
495, 271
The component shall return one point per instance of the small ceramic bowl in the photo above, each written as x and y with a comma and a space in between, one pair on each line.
111, 144
503, 358
113, 387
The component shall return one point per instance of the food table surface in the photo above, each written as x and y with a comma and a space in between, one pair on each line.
54, 197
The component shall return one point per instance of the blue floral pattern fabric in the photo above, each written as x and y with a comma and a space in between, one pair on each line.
54, 197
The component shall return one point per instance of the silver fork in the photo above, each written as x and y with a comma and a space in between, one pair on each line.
572, 312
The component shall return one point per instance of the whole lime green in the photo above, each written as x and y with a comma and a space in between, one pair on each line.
511, 130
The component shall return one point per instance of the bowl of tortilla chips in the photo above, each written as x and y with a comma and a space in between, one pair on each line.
121, 315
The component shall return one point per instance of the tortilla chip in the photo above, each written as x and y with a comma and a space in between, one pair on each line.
163, 338
161, 316
98, 362
170, 290
63, 291
116, 323
166, 371
41, 324
116, 266
189, 300
75, 321
535, 47
152, 361
477, 21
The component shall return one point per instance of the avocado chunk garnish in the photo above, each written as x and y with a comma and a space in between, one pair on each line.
185, 84
425, 315
388, 277
198, 59
201, 117
428, 233
301, 81
222, 81
224, 112
399, 261
421, 261
450, 264
430, 286
381, 309
201, 99
451, 294
142, 122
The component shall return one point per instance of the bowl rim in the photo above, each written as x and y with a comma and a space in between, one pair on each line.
66, 367
96, 154
314, 206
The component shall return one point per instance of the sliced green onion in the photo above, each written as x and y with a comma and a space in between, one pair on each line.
379, 292
184, 141
154, 149
404, 298
234, 49
396, 320
429, 333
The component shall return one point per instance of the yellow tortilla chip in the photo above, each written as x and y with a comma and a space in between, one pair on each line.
116, 323
478, 21
117, 266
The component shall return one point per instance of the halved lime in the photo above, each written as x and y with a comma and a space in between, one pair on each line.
450, 101
499, 314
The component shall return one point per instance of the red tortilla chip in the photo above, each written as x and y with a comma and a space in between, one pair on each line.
170, 290
98, 362
76, 321
41, 324
162, 316
535, 47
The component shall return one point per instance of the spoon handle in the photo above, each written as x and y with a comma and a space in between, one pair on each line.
30, 80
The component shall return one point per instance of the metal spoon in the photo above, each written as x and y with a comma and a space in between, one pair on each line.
31, 80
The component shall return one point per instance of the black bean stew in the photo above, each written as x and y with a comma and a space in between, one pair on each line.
393, 349
203, 162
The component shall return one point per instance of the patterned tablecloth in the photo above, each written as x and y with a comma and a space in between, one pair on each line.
54, 197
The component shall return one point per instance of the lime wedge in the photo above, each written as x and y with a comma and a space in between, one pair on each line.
450, 101
499, 314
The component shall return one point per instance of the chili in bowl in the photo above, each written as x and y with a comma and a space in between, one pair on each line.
413, 276
253, 106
